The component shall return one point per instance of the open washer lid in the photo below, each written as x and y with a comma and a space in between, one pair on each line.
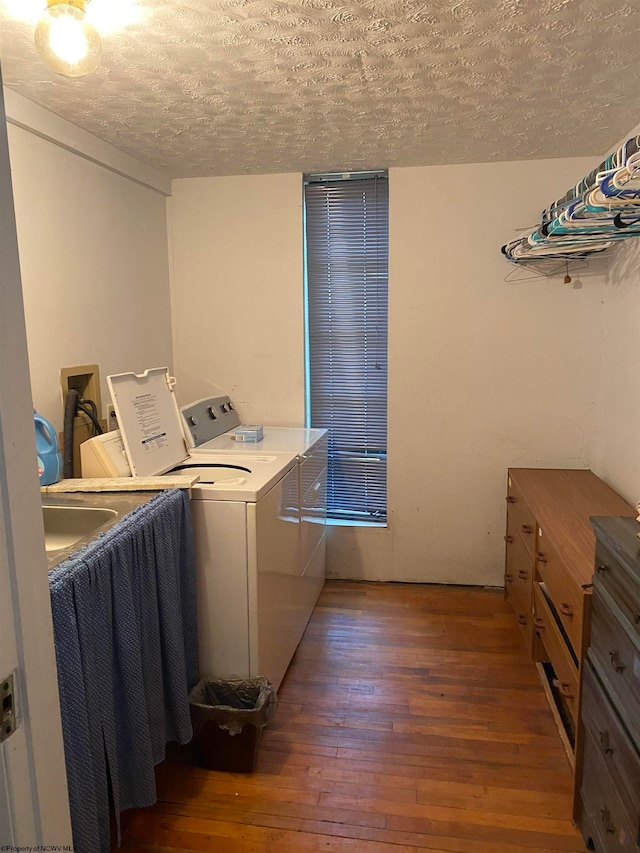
149, 420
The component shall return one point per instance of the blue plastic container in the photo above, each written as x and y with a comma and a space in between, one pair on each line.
49, 456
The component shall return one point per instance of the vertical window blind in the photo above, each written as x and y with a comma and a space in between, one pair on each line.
347, 263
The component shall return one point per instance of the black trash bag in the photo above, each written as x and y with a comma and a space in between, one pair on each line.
228, 718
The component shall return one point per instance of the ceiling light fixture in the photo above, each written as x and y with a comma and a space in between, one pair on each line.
67, 42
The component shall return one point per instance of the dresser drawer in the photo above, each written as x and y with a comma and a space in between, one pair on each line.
604, 820
520, 520
518, 575
623, 589
522, 608
567, 597
617, 662
517, 583
612, 742
546, 628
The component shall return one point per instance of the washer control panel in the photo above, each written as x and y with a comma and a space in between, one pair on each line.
208, 418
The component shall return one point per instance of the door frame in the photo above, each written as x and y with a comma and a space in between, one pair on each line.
34, 804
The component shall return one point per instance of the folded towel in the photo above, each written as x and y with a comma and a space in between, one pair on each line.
125, 626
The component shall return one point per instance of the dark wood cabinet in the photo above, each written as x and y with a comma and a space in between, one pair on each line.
609, 803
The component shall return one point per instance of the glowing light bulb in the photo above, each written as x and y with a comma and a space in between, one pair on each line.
66, 41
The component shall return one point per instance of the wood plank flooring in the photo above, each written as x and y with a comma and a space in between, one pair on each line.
410, 719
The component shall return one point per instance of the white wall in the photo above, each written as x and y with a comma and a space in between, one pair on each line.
237, 293
94, 262
618, 448
483, 374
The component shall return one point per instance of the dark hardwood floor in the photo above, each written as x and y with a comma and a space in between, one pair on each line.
410, 719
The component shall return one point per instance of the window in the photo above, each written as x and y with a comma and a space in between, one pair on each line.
347, 262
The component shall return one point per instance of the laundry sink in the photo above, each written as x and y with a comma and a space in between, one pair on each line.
66, 525
73, 520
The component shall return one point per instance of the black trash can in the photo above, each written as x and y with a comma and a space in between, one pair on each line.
228, 718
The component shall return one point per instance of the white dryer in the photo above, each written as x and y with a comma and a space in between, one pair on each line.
246, 519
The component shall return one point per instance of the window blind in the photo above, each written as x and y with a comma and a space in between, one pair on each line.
347, 261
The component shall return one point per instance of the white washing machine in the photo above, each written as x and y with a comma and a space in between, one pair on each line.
246, 518
212, 426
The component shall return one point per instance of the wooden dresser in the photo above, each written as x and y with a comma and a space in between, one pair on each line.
609, 804
548, 576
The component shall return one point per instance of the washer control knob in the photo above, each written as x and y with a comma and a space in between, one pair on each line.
224, 407
211, 413
229, 406
193, 420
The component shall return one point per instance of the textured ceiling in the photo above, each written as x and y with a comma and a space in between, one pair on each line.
218, 87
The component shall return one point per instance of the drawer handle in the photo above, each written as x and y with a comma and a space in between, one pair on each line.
566, 610
522, 620
511, 499
616, 663
508, 540
542, 558
606, 821
563, 688
526, 528
508, 578
523, 575
602, 569
539, 623
605, 742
